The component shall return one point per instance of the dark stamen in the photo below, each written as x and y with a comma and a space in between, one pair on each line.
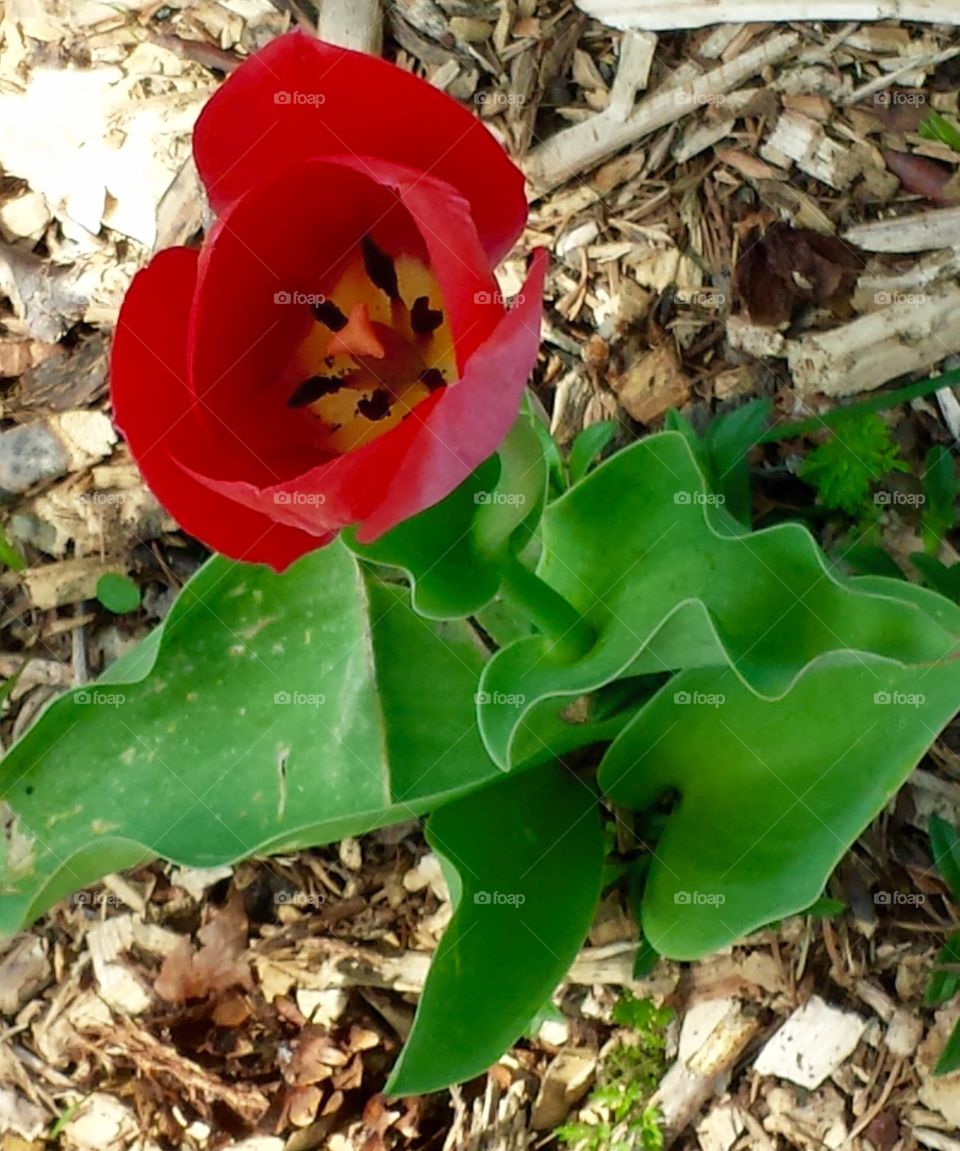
379, 268
375, 406
313, 389
329, 315
433, 378
423, 318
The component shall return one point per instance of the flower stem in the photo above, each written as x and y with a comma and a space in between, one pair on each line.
546, 609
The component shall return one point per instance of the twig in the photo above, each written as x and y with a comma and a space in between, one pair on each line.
658, 15
585, 145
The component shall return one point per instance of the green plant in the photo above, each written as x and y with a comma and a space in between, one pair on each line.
9, 554
452, 669
941, 487
846, 466
945, 981
723, 448
620, 1102
118, 593
938, 127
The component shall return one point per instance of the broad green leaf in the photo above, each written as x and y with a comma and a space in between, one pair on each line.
437, 553
529, 854
728, 441
945, 845
452, 553
768, 793
269, 712
867, 559
937, 576
840, 683
674, 586
587, 446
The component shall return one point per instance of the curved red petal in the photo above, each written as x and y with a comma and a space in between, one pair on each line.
151, 403
288, 238
424, 458
470, 420
300, 98
241, 339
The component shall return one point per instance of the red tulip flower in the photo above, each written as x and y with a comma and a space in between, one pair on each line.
338, 351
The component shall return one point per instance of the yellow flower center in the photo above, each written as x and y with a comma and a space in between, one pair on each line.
379, 345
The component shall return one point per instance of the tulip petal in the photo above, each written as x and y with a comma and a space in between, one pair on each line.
422, 460
288, 239
469, 420
151, 403
300, 98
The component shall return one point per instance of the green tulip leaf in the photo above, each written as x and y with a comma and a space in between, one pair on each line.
832, 689
675, 584
587, 447
529, 854
269, 712
452, 553
767, 794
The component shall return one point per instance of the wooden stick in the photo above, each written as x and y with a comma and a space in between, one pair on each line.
660, 15
583, 146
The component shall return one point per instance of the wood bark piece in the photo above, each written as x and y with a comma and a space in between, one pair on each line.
583, 146
566, 1080
803, 141
356, 24
910, 335
658, 15
652, 384
923, 232
53, 585
24, 970
692, 1080
811, 1044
